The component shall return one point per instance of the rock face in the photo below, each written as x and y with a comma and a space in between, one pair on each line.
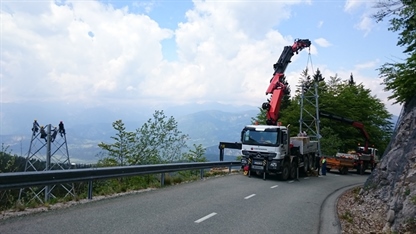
392, 185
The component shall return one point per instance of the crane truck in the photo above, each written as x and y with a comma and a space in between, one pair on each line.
363, 158
269, 149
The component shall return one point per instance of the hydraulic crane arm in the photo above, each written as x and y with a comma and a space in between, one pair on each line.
355, 124
276, 87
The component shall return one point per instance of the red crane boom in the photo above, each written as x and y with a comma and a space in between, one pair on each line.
276, 87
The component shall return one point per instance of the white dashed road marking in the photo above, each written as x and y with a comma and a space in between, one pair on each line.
205, 217
274, 186
248, 197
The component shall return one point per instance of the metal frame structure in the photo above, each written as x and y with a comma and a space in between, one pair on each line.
310, 97
55, 157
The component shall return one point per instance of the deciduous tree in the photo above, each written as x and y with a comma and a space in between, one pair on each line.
400, 77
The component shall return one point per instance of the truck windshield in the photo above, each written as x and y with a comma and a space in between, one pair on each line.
253, 137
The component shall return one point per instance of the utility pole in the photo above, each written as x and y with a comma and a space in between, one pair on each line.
55, 157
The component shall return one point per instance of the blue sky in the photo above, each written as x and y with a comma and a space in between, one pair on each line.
164, 53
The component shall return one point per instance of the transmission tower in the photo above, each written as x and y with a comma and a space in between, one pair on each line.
48, 151
309, 111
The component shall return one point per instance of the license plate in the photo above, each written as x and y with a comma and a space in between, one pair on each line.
255, 167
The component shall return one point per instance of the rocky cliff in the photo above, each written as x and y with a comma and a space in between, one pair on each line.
392, 185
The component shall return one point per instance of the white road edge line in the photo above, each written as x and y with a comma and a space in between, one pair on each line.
248, 197
291, 181
205, 218
274, 186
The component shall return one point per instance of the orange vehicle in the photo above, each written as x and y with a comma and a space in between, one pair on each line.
343, 163
365, 157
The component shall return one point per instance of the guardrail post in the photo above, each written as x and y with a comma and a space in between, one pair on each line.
162, 179
202, 174
229, 169
90, 189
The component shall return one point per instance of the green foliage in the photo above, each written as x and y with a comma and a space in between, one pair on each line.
413, 200
9, 162
195, 155
400, 77
156, 141
356, 103
331, 143
260, 118
407, 192
120, 150
347, 216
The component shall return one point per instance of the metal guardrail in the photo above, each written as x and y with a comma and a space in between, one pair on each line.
19, 180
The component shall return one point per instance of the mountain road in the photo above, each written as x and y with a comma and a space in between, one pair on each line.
226, 204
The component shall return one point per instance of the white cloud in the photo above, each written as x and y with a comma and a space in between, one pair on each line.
351, 5
90, 52
87, 50
52, 53
368, 65
147, 6
322, 42
364, 9
366, 24
320, 23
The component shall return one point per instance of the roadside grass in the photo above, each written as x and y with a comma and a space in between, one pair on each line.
347, 216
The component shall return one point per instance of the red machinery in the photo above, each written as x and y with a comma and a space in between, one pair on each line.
276, 87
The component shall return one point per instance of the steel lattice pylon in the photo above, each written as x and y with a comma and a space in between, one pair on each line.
309, 112
48, 151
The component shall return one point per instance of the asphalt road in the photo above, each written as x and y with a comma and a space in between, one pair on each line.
229, 204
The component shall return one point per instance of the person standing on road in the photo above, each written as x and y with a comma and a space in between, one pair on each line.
323, 165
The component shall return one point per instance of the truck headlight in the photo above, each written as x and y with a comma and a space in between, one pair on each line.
273, 164
243, 161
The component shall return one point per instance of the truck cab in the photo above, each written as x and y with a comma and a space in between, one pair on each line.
264, 141
264, 149
268, 149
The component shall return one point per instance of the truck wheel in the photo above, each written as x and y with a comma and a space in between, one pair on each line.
292, 171
311, 163
306, 165
285, 172
344, 171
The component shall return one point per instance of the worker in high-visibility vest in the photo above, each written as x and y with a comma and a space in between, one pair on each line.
323, 166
